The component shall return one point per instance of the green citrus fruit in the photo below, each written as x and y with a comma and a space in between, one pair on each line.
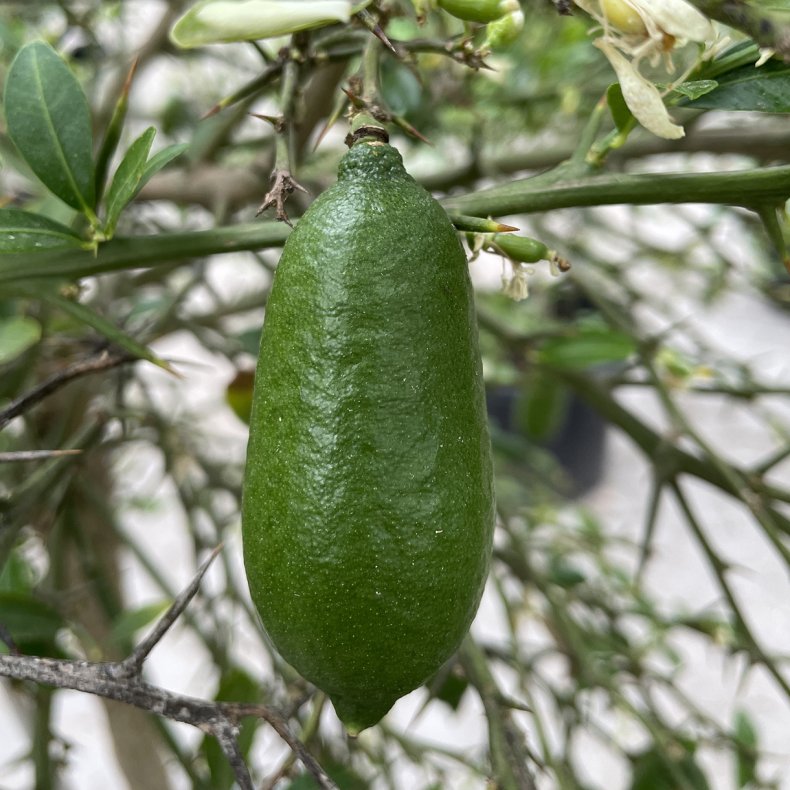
478, 10
368, 504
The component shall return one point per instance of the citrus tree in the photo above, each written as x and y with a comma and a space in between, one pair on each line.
617, 171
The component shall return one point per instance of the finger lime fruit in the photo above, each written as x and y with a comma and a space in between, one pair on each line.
368, 503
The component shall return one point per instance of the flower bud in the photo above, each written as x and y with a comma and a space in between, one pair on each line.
219, 21
505, 30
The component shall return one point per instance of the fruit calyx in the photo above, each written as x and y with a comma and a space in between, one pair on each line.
365, 127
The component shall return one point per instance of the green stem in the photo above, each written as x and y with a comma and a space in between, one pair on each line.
719, 569
507, 745
42, 736
370, 71
745, 188
140, 252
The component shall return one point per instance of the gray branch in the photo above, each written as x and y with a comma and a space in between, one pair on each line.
122, 681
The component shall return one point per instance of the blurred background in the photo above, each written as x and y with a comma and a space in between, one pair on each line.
635, 626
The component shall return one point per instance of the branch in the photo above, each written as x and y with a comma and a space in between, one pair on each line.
548, 191
122, 681
768, 27
34, 455
105, 361
507, 745
140, 252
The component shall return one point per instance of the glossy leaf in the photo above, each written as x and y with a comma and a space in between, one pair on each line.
17, 335
49, 122
127, 178
761, 89
22, 231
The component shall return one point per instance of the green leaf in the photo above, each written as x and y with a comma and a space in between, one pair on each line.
21, 231
134, 173
126, 181
16, 575
542, 406
696, 88
746, 741
401, 89
760, 89
160, 160
564, 574
33, 625
591, 346
17, 335
342, 776
87, 316
652, 771
49, 121
451, 689
128, 623
621, 115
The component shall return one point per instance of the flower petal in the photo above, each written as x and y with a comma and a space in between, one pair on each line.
678, 18
215, 21
641, 96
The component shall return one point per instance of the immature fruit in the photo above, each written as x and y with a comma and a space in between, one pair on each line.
478, 10
368, 506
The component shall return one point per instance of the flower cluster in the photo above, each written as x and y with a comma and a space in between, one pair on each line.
638, 31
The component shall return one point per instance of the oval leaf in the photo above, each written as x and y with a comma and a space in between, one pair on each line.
17, 335
21, 231
761, 89
49, 121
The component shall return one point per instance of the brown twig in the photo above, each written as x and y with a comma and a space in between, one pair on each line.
283, 186
104, 361
122, 681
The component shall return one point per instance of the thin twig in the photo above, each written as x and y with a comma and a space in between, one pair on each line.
230, 746
134, 662
34, 455
122, 682
23, 403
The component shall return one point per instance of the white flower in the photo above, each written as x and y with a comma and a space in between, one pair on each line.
637, 30
515, 285
215, 21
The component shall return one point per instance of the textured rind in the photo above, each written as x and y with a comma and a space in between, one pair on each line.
368, 500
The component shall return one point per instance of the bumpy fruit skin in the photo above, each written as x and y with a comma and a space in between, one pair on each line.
368, 502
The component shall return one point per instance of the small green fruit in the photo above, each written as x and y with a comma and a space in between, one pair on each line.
482, 11
368, 503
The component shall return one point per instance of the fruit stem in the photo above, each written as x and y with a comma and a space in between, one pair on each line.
365, 127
